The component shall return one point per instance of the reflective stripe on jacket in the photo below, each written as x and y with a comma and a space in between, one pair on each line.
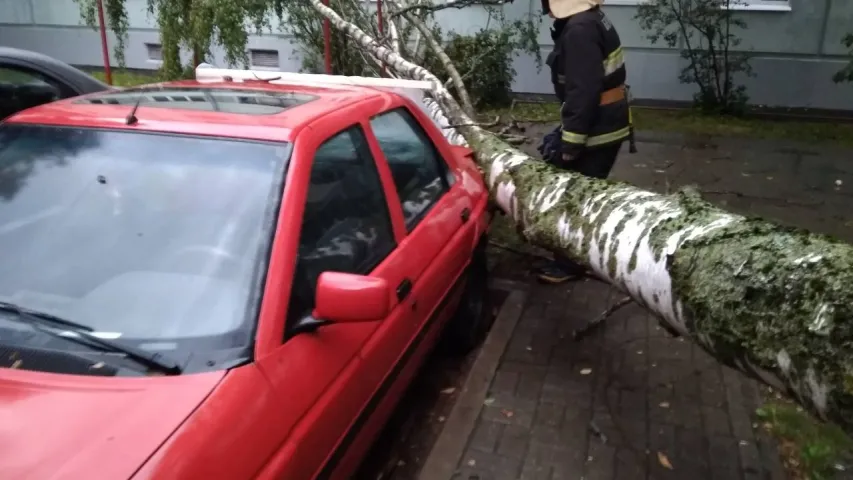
588, 73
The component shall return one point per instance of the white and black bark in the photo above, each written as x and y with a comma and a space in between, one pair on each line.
445, 60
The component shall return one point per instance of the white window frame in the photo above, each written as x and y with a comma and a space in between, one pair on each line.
746, 5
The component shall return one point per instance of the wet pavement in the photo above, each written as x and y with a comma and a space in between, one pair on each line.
407, 439
799, 185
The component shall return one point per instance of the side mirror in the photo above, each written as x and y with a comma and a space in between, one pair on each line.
348, 298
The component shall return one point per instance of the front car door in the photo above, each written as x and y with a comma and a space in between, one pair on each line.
346, 225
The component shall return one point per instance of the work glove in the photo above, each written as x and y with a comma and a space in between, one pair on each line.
552, 151
560, 160
550, 143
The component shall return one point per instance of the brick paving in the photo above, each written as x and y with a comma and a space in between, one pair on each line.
606, 406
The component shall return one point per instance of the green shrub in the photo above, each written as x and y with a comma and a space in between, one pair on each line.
484, 60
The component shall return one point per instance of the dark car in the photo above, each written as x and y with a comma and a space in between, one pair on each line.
29, 78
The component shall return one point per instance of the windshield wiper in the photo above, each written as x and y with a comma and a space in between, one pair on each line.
44, 317
83, 336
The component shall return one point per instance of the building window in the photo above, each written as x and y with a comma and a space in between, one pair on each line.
754, 5
155, 52
765, 5
263, 58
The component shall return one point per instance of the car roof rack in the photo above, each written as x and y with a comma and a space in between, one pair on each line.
206, 73
415, 90
231, 100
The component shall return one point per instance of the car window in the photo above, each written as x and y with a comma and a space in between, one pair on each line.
21, 89
153, 238
346, 226
420, 174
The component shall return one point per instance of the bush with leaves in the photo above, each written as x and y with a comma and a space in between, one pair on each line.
486, 58
704, 31
846, 73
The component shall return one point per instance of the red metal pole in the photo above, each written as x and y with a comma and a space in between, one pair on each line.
327, 42
381, 23
104, 47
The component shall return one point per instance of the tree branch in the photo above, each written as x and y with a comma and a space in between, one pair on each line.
442, 57
416, 48
474, 64
450, 4
394, 34
398, 63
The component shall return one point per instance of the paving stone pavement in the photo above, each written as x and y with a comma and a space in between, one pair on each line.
627, 402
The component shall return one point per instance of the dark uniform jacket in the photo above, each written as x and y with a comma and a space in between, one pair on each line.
588, 73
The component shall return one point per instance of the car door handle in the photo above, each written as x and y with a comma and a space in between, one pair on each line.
466, 214
404, 289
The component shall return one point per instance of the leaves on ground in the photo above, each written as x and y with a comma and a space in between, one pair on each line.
664, 461
693, 123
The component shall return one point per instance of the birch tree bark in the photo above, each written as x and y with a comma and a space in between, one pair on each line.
774, 302
436, 47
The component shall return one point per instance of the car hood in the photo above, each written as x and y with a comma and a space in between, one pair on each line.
71, 427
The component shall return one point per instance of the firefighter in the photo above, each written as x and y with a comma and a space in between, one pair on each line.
588, 73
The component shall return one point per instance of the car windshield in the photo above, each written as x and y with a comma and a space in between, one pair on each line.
156, 239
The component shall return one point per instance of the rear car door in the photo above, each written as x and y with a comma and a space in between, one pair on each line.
435, 251
436, 208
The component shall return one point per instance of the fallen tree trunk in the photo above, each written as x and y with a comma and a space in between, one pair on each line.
772, 301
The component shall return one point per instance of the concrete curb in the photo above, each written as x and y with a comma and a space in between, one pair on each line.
448, 449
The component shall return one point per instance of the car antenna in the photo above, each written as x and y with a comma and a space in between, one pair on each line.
267, 80
131, 117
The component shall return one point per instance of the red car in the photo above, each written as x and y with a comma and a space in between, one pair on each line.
226, 279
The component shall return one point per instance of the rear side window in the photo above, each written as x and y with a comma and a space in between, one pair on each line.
346, 226
21, 89
420, 174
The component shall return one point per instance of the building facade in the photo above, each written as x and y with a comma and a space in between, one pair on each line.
796, 47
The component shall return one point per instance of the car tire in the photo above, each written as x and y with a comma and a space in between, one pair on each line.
473, 317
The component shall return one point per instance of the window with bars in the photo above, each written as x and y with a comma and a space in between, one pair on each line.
263, 58
758, 5
155, 52
767, 5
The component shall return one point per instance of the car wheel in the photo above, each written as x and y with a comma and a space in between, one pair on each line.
473, 318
